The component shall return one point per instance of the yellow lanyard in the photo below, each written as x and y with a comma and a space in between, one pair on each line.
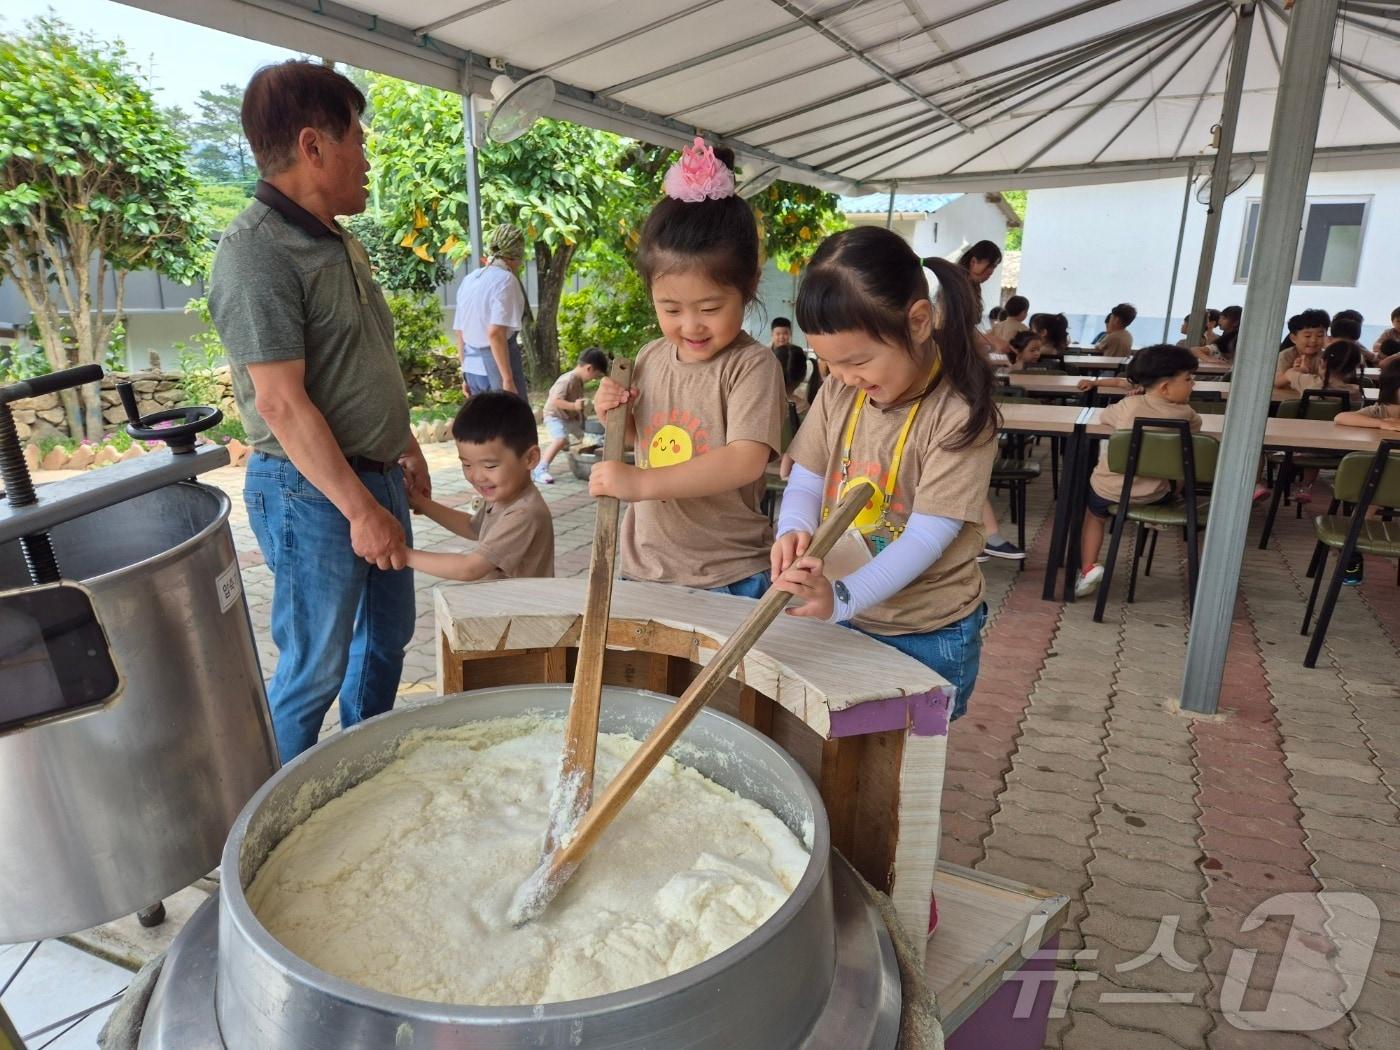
892, 477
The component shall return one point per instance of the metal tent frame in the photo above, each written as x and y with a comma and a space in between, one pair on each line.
858, 95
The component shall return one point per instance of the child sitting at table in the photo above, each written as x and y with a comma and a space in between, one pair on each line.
1053, 332
1389, 335
498, 445
1117, 341
1309, 331
793, 361
1023, 351
1208, 337
1166, 376
1013, 319
1340, 367
1386, 349
1385, 413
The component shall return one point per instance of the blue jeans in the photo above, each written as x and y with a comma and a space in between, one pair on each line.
953, 652
340, 624
754, 586
476, 384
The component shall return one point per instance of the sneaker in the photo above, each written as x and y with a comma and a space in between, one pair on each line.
1262, 491
1303, 495
1088, 581
542, 476
1006, 550
1355, 573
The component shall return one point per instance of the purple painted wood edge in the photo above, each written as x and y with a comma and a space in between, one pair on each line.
923, 714
994, 1024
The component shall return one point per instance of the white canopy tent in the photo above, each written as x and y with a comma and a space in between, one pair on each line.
860, 95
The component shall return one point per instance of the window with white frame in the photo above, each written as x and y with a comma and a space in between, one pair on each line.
1329, 249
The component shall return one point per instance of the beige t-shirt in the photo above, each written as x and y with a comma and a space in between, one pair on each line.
1009, 329
1286, 358
1115, 344
1301, 381
932, 480
685, 410
568, 387
517, 537
1379, 411
1120, 416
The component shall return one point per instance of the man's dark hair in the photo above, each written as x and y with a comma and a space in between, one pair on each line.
1152, 364
780, 322
496, 414
595, 357
1017, 304
1313, 318
1125, 312
1343, 327
280, 100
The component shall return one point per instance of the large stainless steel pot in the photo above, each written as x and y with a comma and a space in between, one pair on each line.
105, 814
765, 993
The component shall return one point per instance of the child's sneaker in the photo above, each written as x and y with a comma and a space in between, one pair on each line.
542, 476
1261, 491
1004, 549
1088, 581
1355, 572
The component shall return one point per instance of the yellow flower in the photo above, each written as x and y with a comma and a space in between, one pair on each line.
422, 253
448, 244
789, 219
795, 268
805, 233
408, 240
419, 219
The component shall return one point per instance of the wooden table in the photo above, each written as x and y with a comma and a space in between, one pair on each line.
1095, 362
866, 722
1068, 386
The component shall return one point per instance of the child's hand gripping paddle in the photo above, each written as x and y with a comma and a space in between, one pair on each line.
574, 790
549, 878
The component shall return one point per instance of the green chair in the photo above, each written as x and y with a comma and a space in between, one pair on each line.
1314, 404
1015, 470
1365, 481
1158, 448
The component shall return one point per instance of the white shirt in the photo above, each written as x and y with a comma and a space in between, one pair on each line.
490, 295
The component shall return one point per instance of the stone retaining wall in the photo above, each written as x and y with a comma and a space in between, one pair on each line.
41, 417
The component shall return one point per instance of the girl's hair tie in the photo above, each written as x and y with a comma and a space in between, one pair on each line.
699, 175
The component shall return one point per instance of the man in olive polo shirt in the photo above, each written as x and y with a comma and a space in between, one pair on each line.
311, 349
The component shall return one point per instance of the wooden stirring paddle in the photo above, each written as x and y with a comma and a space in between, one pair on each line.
548, 879
574, 791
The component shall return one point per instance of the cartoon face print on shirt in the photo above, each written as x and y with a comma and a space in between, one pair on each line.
677, 436
870, 521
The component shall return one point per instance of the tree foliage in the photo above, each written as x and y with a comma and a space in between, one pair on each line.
1017, 200
93, 183
221, 153
793, 220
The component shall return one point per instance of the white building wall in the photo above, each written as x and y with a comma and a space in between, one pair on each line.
1088, 247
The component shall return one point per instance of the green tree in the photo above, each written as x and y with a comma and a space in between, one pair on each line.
221, 152
93, 185
793, 220
554, 182
1017, 200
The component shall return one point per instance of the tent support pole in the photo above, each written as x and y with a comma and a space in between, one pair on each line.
478, 246
1297, 111
1180, 238
889, 212
1220, 174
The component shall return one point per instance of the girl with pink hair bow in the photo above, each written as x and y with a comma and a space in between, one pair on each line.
707, 401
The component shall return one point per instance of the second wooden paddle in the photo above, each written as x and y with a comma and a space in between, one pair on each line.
574, 790
544, 885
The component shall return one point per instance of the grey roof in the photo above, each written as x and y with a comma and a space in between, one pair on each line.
879, 203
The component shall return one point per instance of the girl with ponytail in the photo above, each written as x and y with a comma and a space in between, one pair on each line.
910, 409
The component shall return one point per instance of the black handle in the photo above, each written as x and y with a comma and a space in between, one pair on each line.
51, 383
181, 424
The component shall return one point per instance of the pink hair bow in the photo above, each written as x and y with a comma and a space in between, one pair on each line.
699, 175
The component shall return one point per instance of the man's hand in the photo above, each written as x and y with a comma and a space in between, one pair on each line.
508, 383
609, 396
622, 480
377, 537
789, 547
804, 580
415, 473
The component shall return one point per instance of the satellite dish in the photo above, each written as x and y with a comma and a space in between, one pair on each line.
516, 106
758, 182
1241, 171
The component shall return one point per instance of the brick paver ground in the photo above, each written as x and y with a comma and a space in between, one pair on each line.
1073, 772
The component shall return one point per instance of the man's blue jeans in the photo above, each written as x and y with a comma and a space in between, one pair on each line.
339, 623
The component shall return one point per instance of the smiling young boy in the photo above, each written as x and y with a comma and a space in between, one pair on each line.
498, 445
1309, 332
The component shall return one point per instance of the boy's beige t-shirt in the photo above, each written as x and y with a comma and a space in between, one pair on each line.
1009, 328
684, 410
932, 480
517, 537
1115, 344
1286, 358
568, 387
1120, 416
